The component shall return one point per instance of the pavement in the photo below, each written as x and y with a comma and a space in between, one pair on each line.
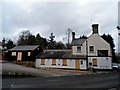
44, 72
11, 68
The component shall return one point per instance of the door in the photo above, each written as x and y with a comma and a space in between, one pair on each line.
77, 64
19, 56
83, 64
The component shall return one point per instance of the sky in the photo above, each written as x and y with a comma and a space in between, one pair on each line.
56, 16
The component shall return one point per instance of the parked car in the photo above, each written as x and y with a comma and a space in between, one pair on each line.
115, 66
119, 65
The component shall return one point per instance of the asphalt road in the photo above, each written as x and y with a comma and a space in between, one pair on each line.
10, 67
110, 81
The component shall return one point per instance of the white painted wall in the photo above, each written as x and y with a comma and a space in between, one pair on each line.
0, 47
99, 44
37, 63
118, 41
96, 41
70, 64
102, 62
83, 49
84, 65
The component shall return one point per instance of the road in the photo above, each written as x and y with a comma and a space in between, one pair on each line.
10, 67
14, 68
108, 80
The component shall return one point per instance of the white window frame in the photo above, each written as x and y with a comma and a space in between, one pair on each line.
79, 50
92, 50
13, 53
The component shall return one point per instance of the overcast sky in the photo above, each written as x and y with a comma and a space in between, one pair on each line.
46, 16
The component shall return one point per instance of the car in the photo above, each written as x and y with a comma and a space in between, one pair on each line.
115, 66
119, 65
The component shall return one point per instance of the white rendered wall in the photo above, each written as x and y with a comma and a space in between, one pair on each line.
0, 47
84, 65
70, 64
118, 41
96, 41
99, 44
102, 62
48, 63
83, 49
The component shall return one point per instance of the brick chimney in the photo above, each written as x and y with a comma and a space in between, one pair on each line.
95, 28
73, 36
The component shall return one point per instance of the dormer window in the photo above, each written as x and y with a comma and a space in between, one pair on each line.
79, 49
91, 49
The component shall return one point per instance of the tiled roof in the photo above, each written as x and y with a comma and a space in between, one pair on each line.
24, 48
58, 54
78, 41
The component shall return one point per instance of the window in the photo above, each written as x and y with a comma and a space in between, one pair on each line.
79, 49
94, 62
42, 61
29, 53
53, 62
102, 52
13, 53
81, 62
91, 48
64, 62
